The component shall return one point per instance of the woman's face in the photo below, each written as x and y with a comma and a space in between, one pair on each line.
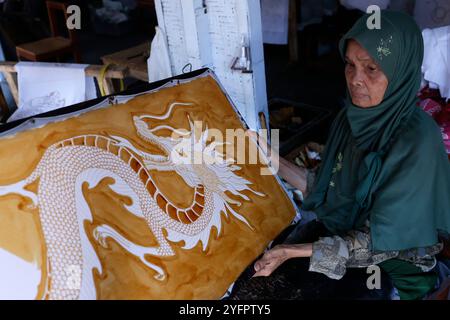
365, 80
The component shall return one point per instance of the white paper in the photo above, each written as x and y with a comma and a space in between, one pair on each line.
436, 62
45, 87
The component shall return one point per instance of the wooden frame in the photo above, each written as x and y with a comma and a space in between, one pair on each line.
114, 72
294, 6
3, 105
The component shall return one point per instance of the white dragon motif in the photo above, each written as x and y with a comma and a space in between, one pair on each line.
63, 210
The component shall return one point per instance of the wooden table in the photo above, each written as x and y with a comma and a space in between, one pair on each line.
135, 59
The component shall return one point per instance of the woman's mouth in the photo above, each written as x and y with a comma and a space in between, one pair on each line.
358, 95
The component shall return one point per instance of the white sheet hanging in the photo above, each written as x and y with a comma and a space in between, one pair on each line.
158, 63
275, 17
48, 86
436, 62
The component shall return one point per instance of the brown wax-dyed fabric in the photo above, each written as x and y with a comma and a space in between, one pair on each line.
196, 273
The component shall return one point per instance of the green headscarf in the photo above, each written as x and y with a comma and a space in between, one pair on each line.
386, 164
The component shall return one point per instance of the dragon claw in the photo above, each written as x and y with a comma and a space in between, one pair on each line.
103, 243
101, 237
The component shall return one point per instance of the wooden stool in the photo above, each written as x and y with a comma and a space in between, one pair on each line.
55, 46
135, 59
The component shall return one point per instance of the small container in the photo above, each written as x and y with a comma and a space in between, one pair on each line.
298, 123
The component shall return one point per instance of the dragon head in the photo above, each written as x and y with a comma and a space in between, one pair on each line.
195, 160
185, 152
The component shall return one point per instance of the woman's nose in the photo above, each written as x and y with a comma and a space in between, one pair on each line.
358, 78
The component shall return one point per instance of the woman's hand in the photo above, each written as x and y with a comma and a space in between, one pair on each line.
293, 174
275, 257
271, 260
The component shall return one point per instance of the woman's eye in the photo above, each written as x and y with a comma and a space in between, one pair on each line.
349, 64
373, 69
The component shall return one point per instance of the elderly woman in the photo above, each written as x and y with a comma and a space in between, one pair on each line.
382, 193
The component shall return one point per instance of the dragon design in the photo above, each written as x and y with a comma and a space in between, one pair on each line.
63, 210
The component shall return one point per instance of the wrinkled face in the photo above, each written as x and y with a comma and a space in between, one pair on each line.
366, 81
